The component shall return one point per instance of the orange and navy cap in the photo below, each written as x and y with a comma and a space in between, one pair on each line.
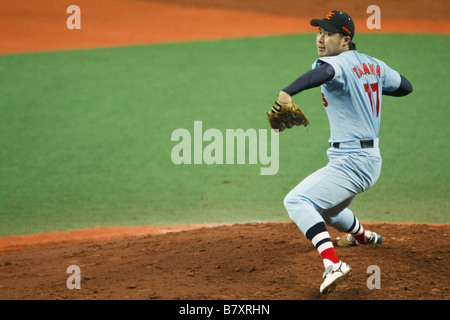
337, 22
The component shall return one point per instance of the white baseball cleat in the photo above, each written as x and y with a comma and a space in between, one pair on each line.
333, 275
349, 241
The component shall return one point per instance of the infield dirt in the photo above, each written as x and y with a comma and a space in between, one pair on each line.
259, 261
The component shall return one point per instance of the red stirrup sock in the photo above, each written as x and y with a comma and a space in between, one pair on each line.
320, 238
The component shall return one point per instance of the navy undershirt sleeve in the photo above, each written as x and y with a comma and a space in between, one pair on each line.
404, 88
311, 79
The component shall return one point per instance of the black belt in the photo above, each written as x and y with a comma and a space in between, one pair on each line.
364, 144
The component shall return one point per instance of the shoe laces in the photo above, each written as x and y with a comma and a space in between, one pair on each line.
328, 270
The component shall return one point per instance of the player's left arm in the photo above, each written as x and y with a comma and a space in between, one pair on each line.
393, 83
404, 89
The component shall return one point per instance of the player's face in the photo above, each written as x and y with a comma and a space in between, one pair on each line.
330, 44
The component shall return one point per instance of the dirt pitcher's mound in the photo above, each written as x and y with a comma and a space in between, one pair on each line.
262, 261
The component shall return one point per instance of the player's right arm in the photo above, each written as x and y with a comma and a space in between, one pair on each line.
310, 79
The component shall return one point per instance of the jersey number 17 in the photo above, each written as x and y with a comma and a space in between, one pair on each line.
373, 87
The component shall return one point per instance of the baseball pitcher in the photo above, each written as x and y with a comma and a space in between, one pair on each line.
352, 85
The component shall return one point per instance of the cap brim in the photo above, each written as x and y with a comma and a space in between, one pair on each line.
324, 24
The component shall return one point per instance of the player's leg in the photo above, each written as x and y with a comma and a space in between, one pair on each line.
365, 171
311, 223
325, 189
356, 233
303, 204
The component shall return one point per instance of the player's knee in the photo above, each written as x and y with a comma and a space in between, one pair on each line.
329, 220
289, 203
295, 204
302, 211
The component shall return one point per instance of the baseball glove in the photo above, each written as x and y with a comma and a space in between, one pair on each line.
284, 116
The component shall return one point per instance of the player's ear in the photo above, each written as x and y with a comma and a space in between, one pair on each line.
346, 41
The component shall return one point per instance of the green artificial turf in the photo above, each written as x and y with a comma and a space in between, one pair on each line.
85, 136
